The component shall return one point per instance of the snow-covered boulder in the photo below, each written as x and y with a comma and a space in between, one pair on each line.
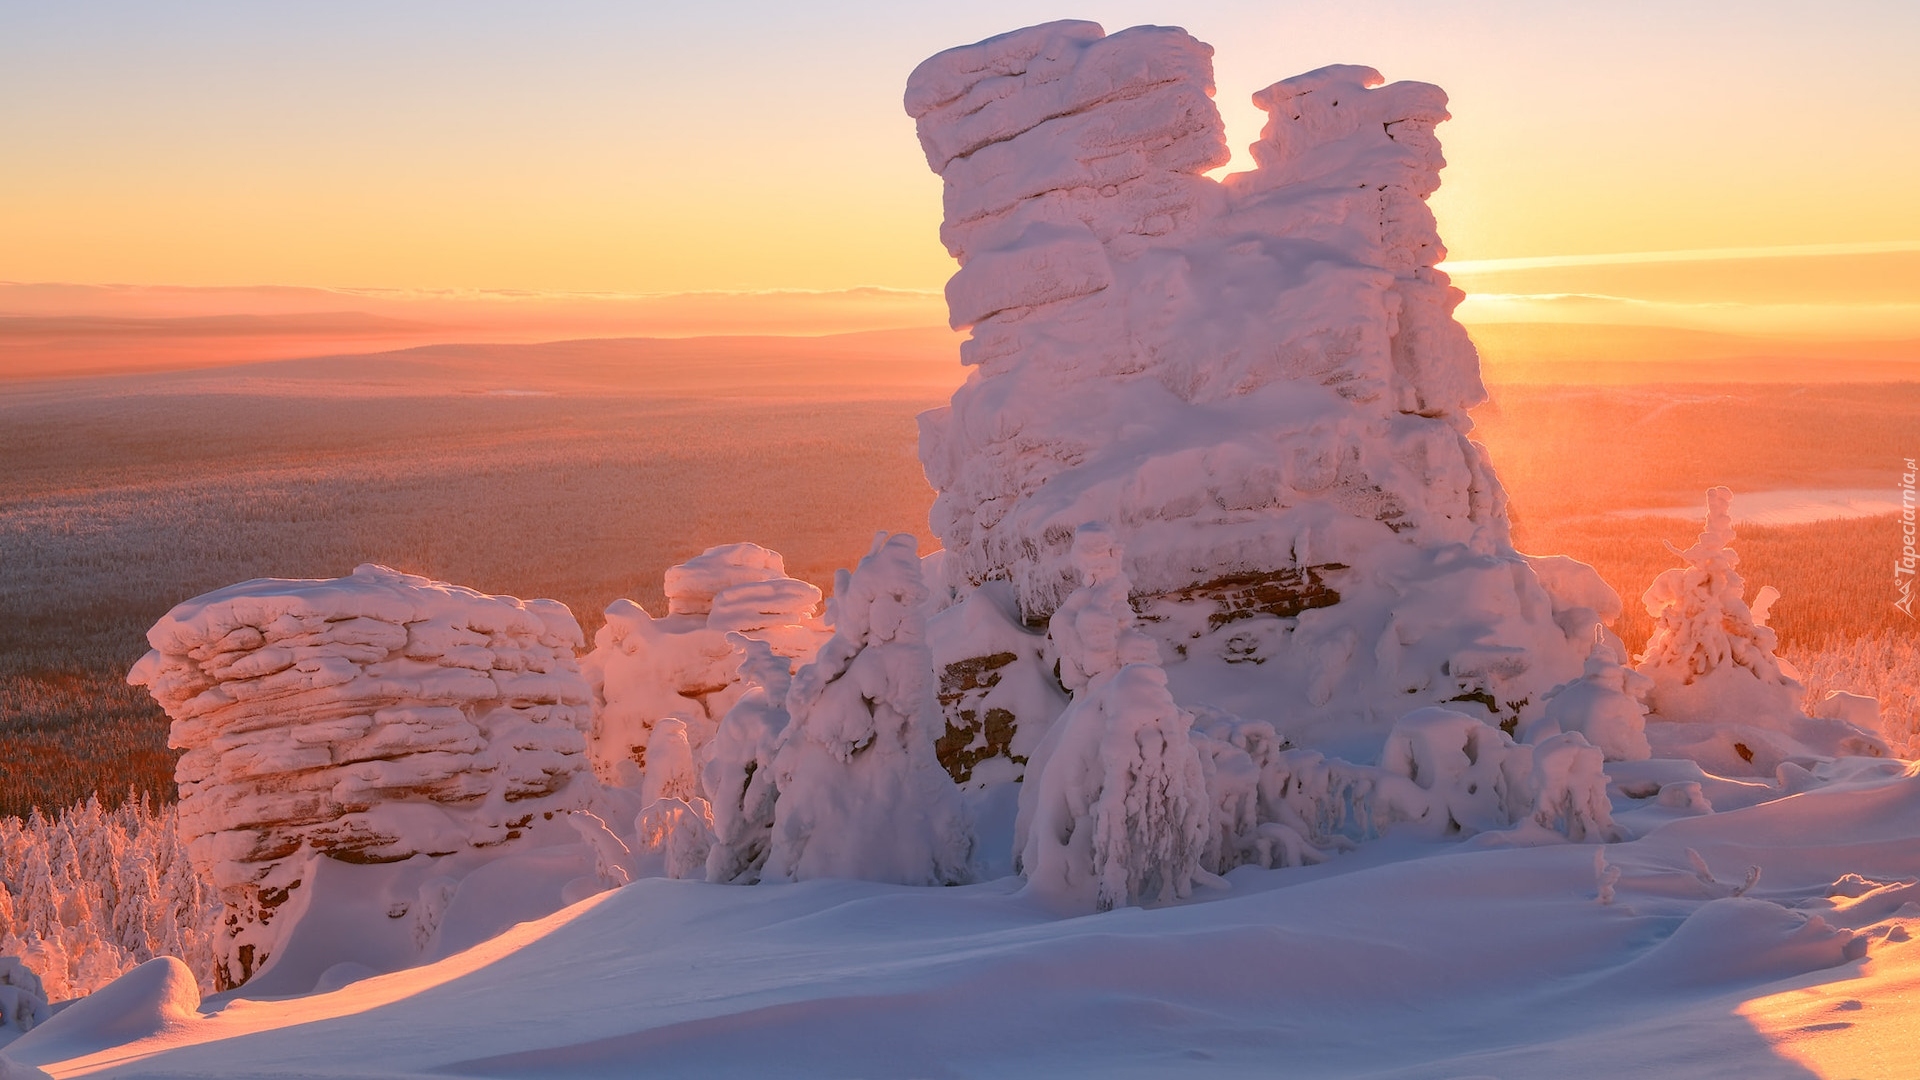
683, 665
1718, 691
152, 999
860, 793
368, 718
1257, 383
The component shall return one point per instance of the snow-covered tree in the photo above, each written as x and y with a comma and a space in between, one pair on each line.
739, 773
1606, 704
861, 794
1115, 808
1705, 635
1723, 697
88, 895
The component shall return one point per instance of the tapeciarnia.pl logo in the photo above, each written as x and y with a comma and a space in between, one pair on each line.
1903, 567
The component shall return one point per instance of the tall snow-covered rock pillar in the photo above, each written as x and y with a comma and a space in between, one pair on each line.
1257, 383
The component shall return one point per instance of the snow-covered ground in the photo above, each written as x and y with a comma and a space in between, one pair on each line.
1403, 959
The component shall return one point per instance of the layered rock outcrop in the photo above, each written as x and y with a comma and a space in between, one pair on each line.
368, 718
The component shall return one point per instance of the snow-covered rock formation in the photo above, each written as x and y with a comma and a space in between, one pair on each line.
683, 665
1257, 383
998, 693
1723, 697
367, 719
861, 794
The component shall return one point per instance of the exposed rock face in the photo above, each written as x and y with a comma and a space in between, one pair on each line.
1257, 383
368, 718
997, 687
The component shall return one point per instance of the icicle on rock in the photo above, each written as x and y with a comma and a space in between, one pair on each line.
861, 794
368, 719
682, 665
1115, 810
1258, 383
1720, 695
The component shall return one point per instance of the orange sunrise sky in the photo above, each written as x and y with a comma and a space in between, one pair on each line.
576, 167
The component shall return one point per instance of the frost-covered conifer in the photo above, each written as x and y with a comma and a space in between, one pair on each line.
1724, 698
90, 894
739, 774
860, 792
1705, 635
1115, 809
1606, 704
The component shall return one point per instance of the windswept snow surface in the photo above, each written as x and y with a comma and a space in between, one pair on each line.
1405, 958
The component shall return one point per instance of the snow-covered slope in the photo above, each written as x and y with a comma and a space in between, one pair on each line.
1406, 959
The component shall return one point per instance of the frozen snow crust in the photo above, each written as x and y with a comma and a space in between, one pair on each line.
368, 718
1258, 384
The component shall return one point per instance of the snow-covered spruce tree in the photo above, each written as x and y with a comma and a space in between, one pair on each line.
739, 774
861, 794
1704, 633
1722, 696
1115, 808
88, 895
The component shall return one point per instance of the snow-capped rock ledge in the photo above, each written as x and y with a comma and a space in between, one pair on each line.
367, 718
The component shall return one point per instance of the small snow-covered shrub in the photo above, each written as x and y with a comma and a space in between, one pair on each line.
23, 998
1607, 704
